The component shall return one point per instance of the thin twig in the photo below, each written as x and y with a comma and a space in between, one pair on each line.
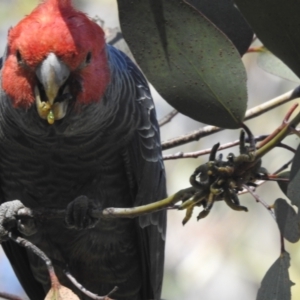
85, 291
277, 179
113, 212
261, 182
9, 296
260, 200
285, 129
251, 113
54, 280
287, 147
196, 154
273, 103
34, 249
37, 251
167, 118
283, 167
190, 137
279, 128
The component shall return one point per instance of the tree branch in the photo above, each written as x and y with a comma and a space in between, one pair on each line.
251, 113
196, 154
54, 280
260, 200
167, 118
279, 134
112, 212
85, 291
9, 296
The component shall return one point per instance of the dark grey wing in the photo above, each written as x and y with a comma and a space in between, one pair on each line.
148, 166
146, 158
147, 169
16, 254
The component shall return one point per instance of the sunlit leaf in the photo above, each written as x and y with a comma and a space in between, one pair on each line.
189, 61
276, 284
287, 220
276, 24
224, 15
273, 65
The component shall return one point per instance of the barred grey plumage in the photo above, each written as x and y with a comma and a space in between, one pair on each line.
108, 151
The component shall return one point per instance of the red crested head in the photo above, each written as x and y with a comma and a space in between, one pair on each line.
55, 38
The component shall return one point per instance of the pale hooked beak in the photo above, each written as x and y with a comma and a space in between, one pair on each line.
52, 94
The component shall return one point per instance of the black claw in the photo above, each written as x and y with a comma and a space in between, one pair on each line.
27, 226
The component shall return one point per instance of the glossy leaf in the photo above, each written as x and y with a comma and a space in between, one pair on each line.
294, 186
276, 24
273, 65
287, 220
224, 15
284, 184
189, 61
276, 284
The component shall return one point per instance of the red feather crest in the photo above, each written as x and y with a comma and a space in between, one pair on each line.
55, 26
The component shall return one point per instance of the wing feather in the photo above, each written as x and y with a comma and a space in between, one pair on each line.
147, 167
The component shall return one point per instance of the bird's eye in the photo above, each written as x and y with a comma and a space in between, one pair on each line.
88, 58
86, 61
19, 57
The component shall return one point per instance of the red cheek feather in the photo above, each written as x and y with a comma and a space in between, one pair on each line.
94, 80
18, 83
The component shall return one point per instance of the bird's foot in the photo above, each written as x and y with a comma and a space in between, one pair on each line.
9, 212
79, 214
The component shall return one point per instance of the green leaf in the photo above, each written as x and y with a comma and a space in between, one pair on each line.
276, 284
294, 185
225, 15
284, 184
273, 65
287, 220
189, 61
276, 24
